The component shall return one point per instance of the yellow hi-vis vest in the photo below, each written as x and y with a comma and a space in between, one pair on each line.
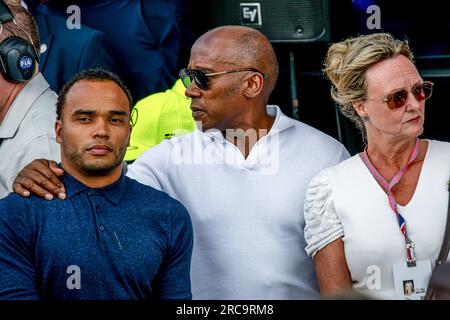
159, 116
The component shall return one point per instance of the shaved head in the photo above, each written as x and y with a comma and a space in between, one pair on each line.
250, 48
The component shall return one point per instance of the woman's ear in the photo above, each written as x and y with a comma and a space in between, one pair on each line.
359, 108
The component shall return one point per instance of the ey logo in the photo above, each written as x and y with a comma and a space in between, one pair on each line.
74, 280
251, 13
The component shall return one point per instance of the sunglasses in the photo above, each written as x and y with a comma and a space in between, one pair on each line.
201, 78
421, 91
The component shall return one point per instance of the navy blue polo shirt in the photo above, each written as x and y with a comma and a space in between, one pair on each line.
123, 241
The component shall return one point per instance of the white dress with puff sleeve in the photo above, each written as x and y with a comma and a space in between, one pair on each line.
346, 201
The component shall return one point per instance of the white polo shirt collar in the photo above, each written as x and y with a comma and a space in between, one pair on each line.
281, 123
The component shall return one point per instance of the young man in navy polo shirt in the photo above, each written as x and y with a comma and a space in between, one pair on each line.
112, 238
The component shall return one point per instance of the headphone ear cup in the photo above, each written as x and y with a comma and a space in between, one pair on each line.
32, 51
18, 59
2, 66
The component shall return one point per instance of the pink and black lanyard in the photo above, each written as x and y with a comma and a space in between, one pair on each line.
410, 255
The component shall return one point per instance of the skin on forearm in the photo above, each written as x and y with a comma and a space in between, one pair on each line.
332, 271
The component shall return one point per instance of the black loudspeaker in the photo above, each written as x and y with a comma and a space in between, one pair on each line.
279, 20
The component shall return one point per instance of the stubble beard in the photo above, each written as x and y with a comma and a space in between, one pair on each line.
98, 167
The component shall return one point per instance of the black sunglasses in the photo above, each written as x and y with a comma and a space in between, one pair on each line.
421, 91
201, 78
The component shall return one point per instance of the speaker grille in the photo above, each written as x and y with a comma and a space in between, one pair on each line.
281, 21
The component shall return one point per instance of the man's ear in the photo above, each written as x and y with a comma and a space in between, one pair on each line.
129, 135
58, 131
254, 85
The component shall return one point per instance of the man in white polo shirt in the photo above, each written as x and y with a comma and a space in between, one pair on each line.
242, 175
27, 104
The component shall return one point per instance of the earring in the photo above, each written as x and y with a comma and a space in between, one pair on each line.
365, 117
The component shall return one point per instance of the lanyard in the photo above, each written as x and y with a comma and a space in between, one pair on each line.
410, 254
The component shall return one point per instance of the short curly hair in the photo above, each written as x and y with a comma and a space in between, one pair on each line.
93, 75
346, 64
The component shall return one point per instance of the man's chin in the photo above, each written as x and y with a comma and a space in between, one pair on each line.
99, 168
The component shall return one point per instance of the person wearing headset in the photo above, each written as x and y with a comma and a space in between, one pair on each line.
27, 104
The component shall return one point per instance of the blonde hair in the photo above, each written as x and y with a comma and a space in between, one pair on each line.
346, 64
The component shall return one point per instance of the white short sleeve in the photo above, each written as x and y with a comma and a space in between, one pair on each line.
322, 223
150, 168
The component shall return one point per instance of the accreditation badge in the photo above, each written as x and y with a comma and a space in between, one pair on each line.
411, 282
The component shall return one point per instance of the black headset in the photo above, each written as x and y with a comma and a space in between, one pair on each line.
18, 57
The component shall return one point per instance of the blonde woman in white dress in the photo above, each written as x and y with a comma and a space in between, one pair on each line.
378, 218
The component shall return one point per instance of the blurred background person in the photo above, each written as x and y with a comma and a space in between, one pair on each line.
143, 37
160, 116
65, 52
